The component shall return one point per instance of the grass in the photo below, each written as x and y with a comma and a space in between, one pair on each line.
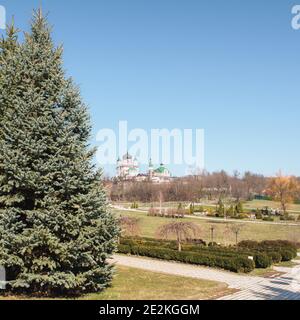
147, 205
254, 204
265, 273
222, 233
136, 284
287, 264
293, 208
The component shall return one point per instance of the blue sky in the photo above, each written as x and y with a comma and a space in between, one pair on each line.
230, 67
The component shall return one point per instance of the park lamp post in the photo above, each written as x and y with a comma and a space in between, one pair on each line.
212, 229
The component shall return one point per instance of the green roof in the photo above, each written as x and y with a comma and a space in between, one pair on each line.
161, 169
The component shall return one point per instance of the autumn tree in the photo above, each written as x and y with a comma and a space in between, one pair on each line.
284, 189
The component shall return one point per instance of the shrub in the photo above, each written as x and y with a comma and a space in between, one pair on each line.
258, 215
199, 209
241, 216
192, 209
250, 244
296, 244
166, 213
213, 244
198, 242
270, 219
287, 255
132, 241
262, 260
287, 218
275, 256
195, 251
171, 213
239, 207
211, 214
280, 244
234, 264
134, 205
152, 212
286, 249
244, 265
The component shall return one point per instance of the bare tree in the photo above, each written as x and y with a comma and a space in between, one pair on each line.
181, 230
129, 226
226, 232
192, 188
161, 200
254, 183
236, 228
237, 186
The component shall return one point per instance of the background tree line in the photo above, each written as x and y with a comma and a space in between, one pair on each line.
193, 188
208, 186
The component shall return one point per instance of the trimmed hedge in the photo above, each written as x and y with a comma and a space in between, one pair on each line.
233, 263
264, 253
262, 260
287, 255
275, 256
286, 249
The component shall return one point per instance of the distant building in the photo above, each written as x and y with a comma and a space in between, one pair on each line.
128, 170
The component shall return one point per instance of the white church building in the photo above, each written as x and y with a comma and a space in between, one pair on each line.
128, 170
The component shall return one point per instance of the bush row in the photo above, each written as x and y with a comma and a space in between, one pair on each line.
264, 253
169, 244
234, 264
285, 249
167, 213
221, 252
261, 259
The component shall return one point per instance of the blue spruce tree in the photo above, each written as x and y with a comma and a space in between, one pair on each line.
56, 232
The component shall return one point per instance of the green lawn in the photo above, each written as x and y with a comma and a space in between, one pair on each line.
295, 208
254, 204
251, 231
136, 284
147, 205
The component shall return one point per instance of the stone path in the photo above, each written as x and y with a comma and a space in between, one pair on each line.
283, 287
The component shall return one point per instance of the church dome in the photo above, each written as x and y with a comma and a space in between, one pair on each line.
127, 156
162, 169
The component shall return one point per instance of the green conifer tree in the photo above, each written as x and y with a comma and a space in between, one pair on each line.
8, 48
56, 232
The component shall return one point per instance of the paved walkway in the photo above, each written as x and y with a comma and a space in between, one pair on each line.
284, 287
